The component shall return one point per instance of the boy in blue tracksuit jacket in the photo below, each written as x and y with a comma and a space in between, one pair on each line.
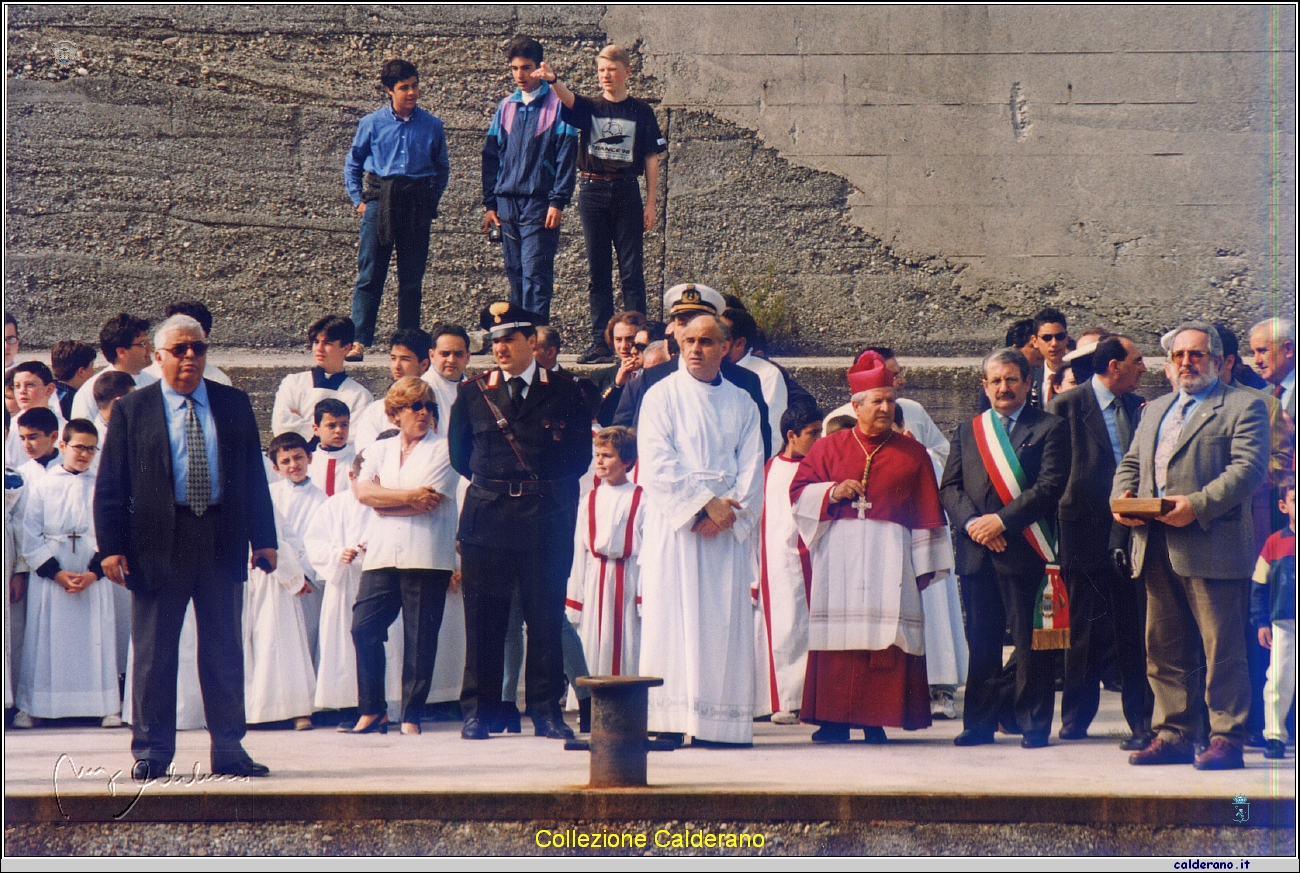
529, 172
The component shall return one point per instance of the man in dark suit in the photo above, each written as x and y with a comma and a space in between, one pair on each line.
180, 497
1000, 572
1102, 414
522, 436
1205, 449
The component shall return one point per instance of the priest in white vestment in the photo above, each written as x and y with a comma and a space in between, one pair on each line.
701, 455
867, 503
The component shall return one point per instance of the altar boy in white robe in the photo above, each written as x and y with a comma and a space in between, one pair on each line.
296, 399
279, 679
336, 543
69, 662
297, 496
602, 597
701, 452
784, 576
332, 457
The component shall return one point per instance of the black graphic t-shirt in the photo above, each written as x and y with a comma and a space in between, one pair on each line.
614, 137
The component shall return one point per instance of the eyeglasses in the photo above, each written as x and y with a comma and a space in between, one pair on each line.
82, 450
180, 350
640, 347
1058, 337
11, 340
422, 405
1193, 356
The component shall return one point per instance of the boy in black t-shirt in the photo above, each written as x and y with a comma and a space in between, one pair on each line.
619, 140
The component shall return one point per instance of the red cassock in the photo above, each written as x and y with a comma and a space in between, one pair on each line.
866, 659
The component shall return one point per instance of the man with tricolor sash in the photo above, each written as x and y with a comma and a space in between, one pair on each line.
1006, 472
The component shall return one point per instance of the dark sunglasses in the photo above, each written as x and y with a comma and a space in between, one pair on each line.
1059, 337
422, 405
180, 350
640, 347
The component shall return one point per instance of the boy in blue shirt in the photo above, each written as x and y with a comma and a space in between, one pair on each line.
395, 173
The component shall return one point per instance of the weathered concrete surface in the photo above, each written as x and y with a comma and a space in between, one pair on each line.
907, 176
1120, 162
917, 795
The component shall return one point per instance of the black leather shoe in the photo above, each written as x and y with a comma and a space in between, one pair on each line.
244, 766
1138, 742
670, 739
874, 736
831, 733
1275, 750
552, 727
597, 353
971, 737
1073, 732
474, 729
1033, 740
507, 722
144, 770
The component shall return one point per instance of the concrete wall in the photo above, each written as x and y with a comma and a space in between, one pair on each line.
912, 176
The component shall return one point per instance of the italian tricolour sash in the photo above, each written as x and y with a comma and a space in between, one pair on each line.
1052, 609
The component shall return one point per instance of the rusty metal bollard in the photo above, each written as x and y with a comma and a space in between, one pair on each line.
618, 742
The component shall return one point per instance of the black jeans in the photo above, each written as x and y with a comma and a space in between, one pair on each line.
420, 596
612, 215
412, 244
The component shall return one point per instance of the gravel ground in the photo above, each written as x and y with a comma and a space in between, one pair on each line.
521, 838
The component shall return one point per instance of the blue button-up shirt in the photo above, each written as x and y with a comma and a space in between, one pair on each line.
388, 146
1107, 399
174, 407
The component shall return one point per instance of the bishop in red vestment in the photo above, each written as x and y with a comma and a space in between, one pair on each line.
867, 503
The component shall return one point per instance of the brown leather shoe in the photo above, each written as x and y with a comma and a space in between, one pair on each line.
356, 352
1221, 755
1161, 751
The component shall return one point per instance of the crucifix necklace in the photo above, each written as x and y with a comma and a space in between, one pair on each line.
72, 538
861, 504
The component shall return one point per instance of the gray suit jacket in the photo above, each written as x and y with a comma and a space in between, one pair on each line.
1220, 459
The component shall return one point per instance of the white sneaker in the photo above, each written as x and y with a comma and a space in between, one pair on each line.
111, 720
785, 717
942, 705
23, 720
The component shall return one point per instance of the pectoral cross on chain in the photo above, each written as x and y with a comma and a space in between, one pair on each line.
72, 538
861, 505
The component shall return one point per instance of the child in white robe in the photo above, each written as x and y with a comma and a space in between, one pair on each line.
296, 399
780, 588
332, 459
69, 662
602, 600
279, 679
335, 542
297, 496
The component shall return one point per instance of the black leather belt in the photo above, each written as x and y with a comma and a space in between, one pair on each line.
516, 487
605, 177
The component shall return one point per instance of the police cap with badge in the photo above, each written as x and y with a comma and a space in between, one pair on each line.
500, 318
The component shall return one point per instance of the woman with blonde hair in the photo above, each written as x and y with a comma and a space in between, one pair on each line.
409, 482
